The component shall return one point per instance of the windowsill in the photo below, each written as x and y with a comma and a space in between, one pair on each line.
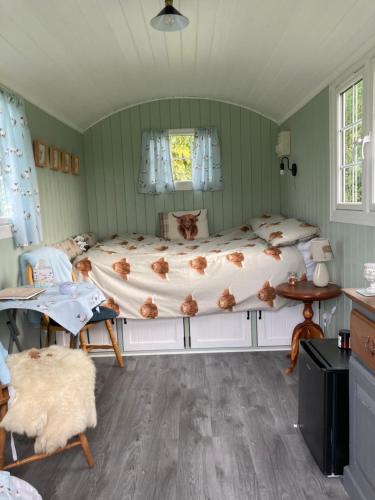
183, 185
360, 218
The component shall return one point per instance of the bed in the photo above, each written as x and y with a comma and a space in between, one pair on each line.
146, 277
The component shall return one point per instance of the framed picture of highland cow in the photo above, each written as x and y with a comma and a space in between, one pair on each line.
41, 154
66, 162
75, 164
54, 158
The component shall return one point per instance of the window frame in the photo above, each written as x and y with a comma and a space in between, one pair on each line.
188, 184
363, 213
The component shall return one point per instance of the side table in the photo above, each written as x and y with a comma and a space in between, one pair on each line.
308, 293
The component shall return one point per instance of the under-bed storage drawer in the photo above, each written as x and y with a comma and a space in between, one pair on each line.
221, 330
275, 328
153, 334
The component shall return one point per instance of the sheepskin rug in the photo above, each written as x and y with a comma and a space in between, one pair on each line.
54, 395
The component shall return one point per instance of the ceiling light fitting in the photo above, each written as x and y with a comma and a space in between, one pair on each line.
169, 19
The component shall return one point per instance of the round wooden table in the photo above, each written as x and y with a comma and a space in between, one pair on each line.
306, 292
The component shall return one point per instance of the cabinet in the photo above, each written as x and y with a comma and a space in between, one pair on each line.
275, 327
231, 330
153, 335
359, 477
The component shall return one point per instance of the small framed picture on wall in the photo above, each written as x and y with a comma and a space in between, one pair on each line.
66, 162
75, 165
41, 154
54, 158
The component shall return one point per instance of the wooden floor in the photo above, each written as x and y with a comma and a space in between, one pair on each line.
212, 426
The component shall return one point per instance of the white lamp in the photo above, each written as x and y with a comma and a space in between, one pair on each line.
321, 252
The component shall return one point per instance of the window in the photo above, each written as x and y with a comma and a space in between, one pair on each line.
181, 145
352, 165
350, 140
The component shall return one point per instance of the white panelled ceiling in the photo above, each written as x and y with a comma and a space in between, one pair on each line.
81, 60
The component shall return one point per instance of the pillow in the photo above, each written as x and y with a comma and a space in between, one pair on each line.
69, 247
188, 225
262, 220
90, 239
85, 241
286, 232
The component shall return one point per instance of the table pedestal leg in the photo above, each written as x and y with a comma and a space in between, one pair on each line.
305, 330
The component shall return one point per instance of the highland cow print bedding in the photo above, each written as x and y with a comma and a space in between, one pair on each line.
148, 277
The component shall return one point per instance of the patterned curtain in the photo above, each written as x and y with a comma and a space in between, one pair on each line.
206, 165
155, 175
18, 171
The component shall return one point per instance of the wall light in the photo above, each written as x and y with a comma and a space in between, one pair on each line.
292, 168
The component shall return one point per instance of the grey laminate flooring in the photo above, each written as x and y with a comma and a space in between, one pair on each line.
211, 426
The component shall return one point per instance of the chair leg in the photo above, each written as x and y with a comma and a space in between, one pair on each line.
48, 338
86, 450
116, 348
2, 447
82, 341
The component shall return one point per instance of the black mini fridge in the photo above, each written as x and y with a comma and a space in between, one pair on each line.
323, 403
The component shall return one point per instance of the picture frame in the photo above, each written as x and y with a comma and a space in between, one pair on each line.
75, 164
54, 158
41, 154
66, 162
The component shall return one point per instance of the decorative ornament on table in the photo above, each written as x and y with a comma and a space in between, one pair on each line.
369, 275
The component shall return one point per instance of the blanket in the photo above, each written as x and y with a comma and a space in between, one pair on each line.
145, 277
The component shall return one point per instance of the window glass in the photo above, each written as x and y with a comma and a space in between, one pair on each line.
181, 146
351, 137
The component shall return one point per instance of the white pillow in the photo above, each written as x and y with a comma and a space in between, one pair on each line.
286, 232
187, 225
263, 220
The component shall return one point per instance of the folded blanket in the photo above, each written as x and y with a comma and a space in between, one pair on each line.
50, 257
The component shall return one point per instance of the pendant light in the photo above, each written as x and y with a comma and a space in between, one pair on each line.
169, 19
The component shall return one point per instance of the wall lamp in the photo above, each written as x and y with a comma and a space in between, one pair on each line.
292, 168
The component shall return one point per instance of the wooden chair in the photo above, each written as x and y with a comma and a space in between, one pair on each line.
80, 441
105, 314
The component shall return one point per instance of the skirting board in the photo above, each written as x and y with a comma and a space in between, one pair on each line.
190, 351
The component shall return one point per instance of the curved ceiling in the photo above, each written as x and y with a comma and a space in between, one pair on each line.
82, 60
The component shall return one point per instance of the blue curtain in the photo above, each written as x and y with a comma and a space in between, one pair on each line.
155, 175
206, 165
18, 171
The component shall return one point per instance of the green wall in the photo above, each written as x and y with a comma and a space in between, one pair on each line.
307, 197
113, 148
63, 197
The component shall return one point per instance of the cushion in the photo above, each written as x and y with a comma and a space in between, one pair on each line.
262, 220
187, 225
103, 314
85, 241
70, 247
286, 232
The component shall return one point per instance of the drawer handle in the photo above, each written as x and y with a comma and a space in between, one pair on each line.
370, 346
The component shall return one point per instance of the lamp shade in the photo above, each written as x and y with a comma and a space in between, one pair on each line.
321, 250
169, 19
